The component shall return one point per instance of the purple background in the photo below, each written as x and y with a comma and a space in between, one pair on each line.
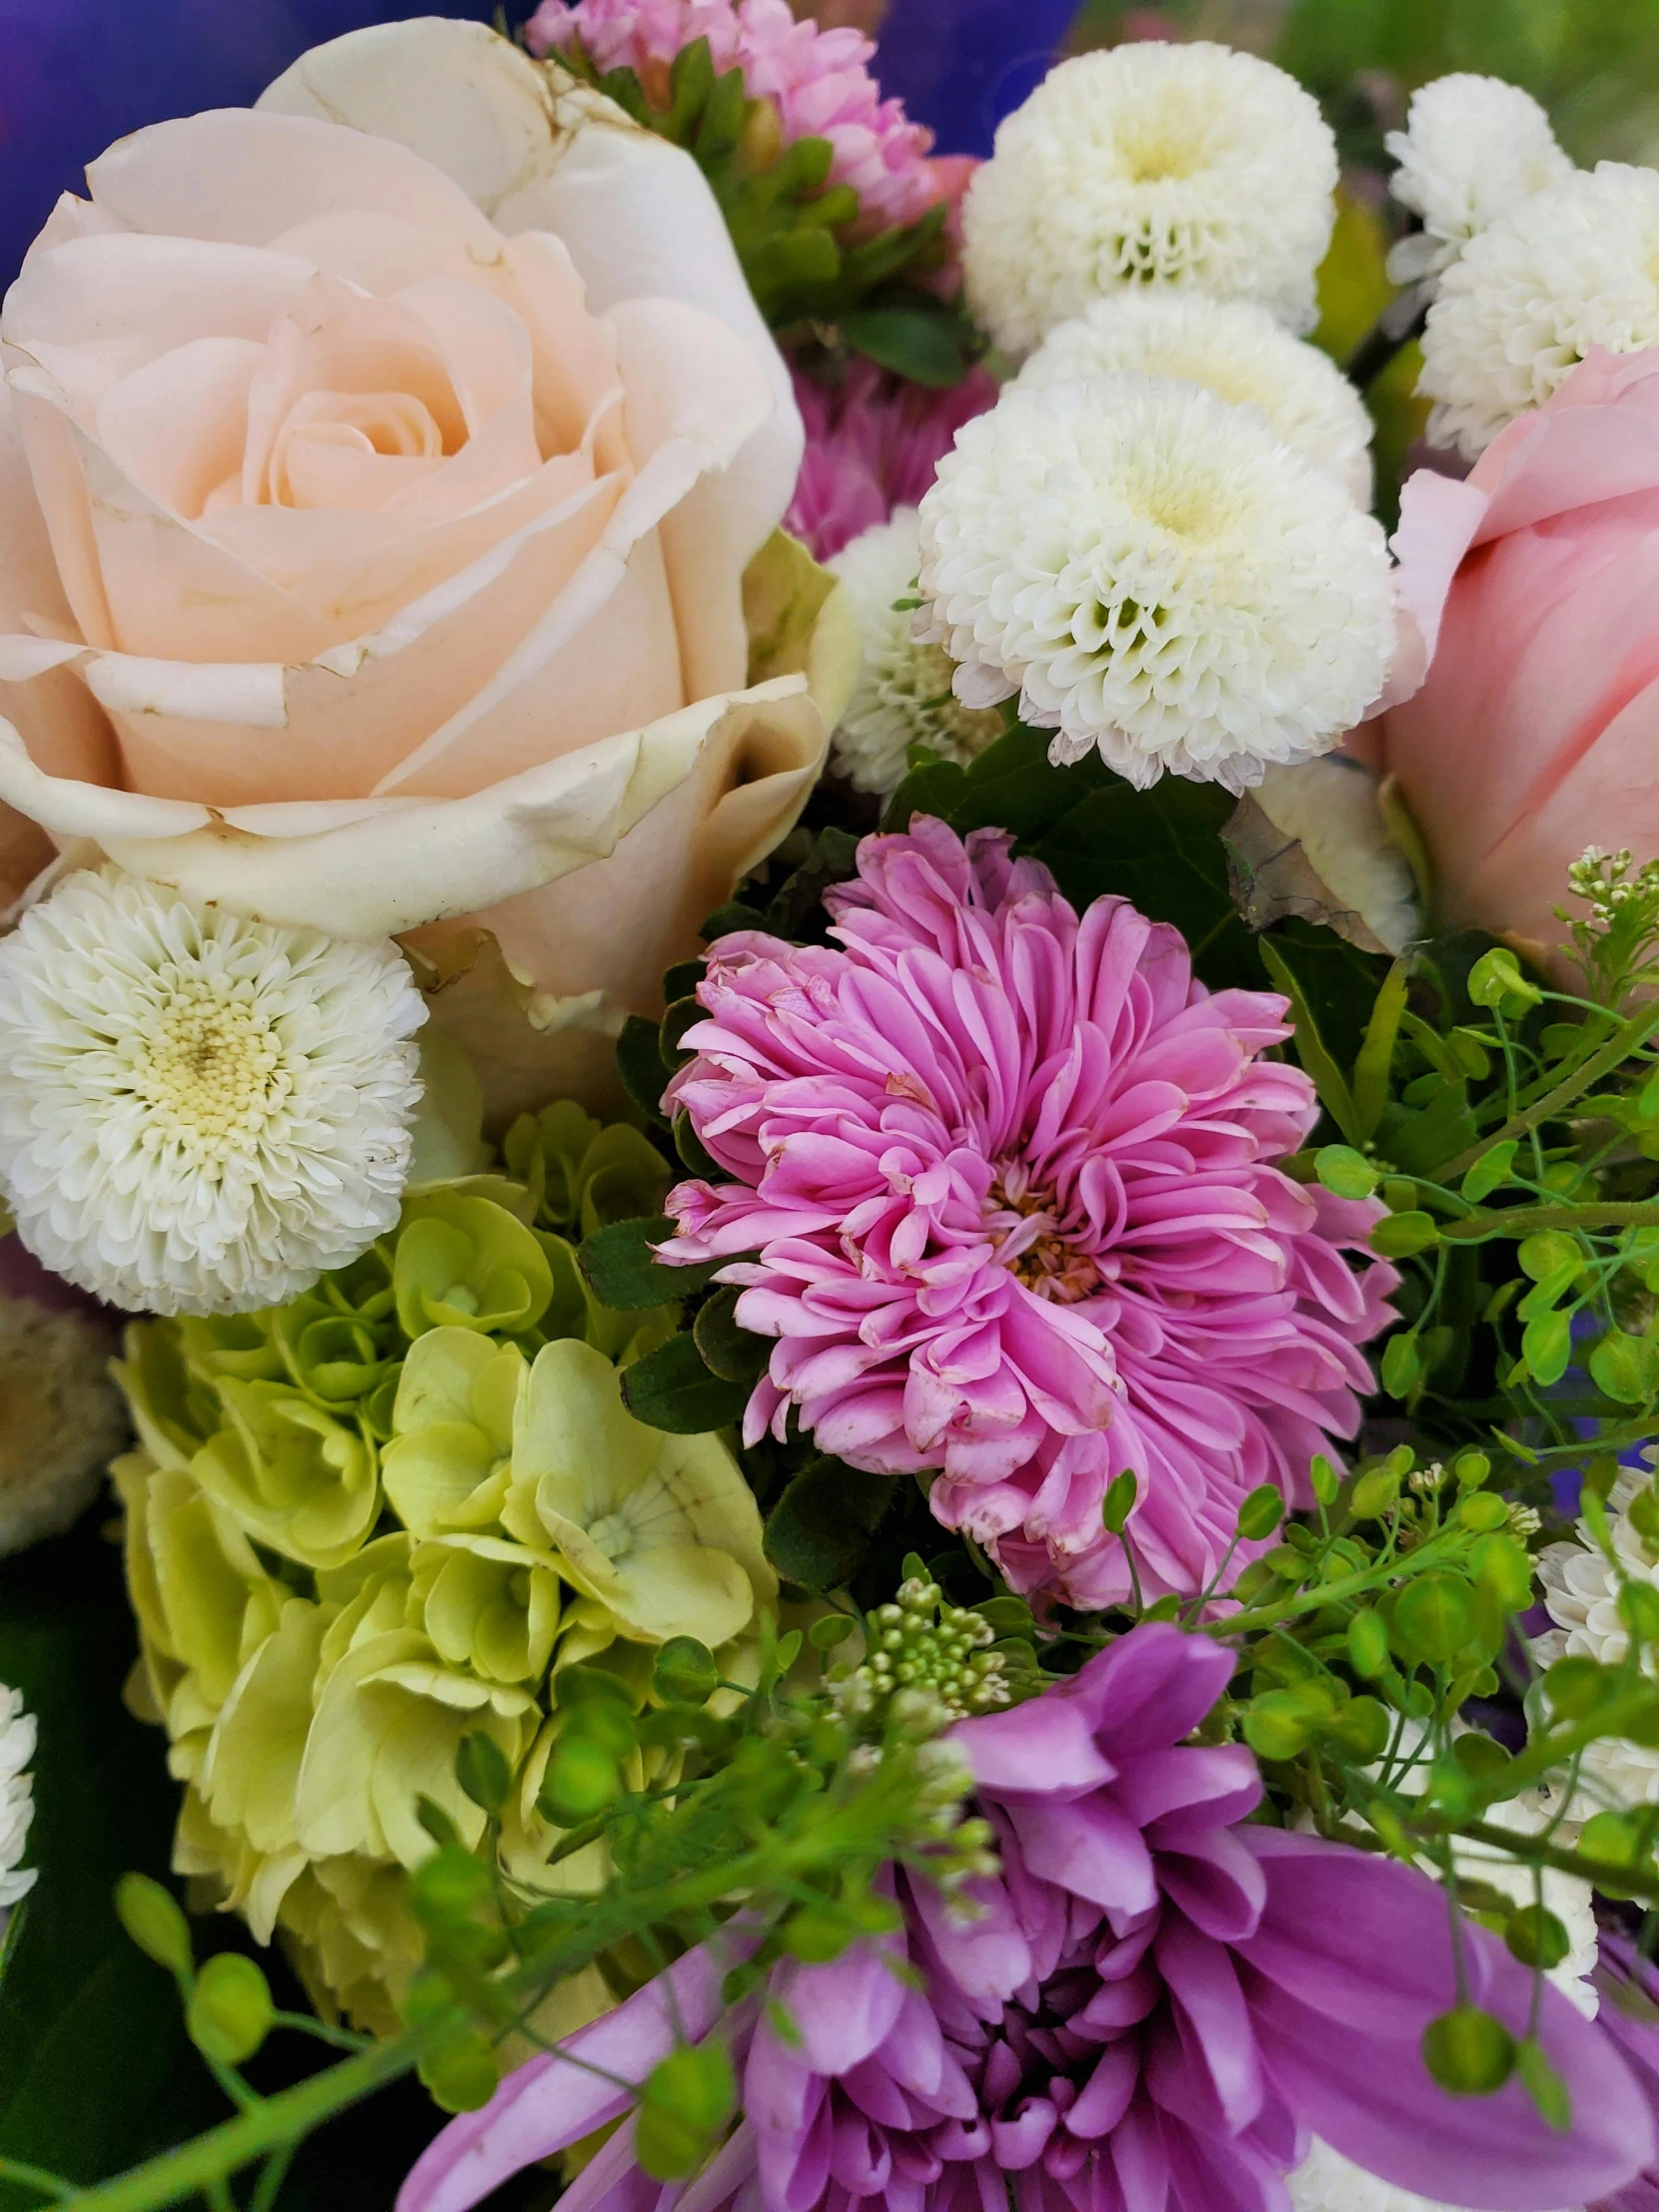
77, 74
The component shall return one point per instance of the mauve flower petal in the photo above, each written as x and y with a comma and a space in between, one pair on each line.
552, 2101
1354, 2069
1046, 1747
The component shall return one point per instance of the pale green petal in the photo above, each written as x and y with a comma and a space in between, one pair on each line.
574, 1440
676, 1588
487, 1605
388, 1723
296, 1477
252, 1769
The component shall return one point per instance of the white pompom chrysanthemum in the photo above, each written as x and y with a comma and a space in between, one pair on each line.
1570, 268
17, 1802
199, 1113
1158, 164
1237, 351
903, 696
1472, 149
1157, 575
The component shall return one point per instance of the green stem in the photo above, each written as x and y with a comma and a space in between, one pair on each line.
1524, 1221
268, 2126
1630, 1038
1599, 1872
35, 2177
1327, 1593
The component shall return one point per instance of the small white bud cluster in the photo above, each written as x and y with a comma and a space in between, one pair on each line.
928, 1665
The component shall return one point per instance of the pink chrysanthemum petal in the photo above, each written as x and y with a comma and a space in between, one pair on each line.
1011, 1177
818, 81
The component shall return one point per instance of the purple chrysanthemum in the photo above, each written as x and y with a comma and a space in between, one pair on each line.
1156, 2005
874, 443
1010, 1176
818, 81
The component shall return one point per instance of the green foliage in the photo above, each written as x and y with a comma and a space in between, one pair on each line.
96, 2072
798, 236
818, 1534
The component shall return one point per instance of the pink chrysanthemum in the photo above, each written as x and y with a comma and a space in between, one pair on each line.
1158, 2000
1009, 1176
872, 444
818, 81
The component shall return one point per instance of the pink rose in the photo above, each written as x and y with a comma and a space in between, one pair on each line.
1534, 587
390, 478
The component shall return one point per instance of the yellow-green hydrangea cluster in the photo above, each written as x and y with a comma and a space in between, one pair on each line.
365, 1524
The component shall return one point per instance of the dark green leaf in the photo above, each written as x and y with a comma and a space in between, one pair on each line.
732, 915
732, 1352
672, 1389
819, 1530
95, 2071
624, 1273
1309, 1048
909, 340
693, 1156
638, 1062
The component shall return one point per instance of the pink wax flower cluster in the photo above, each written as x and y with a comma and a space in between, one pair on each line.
818, 81
1009, 1174
874, 443
1153, 2006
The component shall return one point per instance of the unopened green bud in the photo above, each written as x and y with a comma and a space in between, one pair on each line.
230, 2010
685, 2100
462, 2073
1345, 1172
1536, 1937
152, 1917
685, 1673
1260, 1513
1374, 1493
1434, 1617
1470, 2053
582, 1780
1119, 1502
1481, 1512
1368, 1644
482, 1771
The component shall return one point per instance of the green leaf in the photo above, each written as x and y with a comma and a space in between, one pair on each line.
95, 2071
909, 340
730, 1350
1372, 1069
1621, 1368
671, 1388
1309, 1049
623, 1271
818, 1534
638, 1062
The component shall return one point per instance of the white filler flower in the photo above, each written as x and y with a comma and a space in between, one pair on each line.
64, 1418
199, 1113
1154, 574
1472, 149
903, 694
1572, 268
17, 1802
1237, 351
1150, 164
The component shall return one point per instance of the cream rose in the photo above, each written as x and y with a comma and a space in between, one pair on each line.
382, 470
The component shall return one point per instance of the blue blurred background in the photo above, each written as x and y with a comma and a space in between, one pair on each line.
77, 74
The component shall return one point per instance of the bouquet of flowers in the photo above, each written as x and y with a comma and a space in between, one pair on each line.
846, 1137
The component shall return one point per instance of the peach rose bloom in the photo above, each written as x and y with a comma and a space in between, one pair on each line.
1534, 586
379, 498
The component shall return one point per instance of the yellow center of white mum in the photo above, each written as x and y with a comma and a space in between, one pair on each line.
212, 1072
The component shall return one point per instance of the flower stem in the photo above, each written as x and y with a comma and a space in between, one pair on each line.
1629, 1038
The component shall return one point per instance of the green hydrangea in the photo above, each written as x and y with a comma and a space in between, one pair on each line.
390, 1514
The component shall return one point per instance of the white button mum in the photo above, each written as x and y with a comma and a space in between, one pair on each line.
199, 1113
903, 694
1472, 149
1237, 351
1165, 163
1569, 268
17, 1802
1156, 574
